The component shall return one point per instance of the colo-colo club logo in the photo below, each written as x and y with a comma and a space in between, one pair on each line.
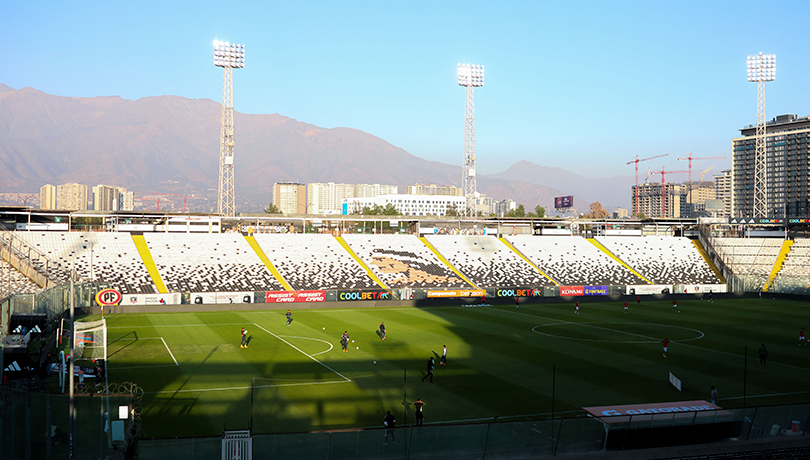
364, 295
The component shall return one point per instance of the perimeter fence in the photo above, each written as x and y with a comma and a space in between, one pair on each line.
503, 440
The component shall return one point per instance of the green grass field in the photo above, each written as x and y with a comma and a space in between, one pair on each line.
197, 379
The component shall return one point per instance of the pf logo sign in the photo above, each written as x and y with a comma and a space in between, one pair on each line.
108, 297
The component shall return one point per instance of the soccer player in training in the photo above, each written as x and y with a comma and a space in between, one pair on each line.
674, 305
344, 341
625, 308
244, 338
802, 339
638, 301
576, 308
430, 368
666, 343
289, 318
443, 360
382, 331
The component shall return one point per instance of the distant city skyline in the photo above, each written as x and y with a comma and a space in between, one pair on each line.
644, 78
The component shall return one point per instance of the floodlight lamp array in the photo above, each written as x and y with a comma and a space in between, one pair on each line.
470, 75
762, 67
229, 55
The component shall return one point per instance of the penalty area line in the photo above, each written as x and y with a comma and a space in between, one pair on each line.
304, 353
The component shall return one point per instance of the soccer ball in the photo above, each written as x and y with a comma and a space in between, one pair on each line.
352, 341
375, 362
324, 329
357, 348
679, 312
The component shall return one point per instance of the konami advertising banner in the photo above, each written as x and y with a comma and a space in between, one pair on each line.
583, 290
295, 296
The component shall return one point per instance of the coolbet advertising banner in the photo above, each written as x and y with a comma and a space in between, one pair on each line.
295, 296
364, 295
583, 290
456, 293
519, 292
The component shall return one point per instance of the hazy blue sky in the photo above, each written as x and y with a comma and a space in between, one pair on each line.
581, 85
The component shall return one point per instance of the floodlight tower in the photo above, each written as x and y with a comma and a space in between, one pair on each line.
761, 68
229, 56
469, 76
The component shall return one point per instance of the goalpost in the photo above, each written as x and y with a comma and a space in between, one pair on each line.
90, 340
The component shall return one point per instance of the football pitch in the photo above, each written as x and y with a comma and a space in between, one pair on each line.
197, 380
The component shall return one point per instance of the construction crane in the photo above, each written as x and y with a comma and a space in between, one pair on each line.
690, 158
704, 172
637, 161
663, 173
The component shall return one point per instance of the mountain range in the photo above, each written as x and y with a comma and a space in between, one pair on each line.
170, 144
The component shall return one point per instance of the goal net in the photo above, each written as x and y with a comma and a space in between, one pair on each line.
90, 340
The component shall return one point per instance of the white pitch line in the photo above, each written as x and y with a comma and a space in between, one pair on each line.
175, 325
170, 352
653, 338
772, 394
303, 352
202, 390
312, 338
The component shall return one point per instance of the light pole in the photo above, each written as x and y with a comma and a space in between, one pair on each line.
469, 76
761, 68
229, 56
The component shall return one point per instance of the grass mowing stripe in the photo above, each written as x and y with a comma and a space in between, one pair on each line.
680, 343
201, 390
303, 352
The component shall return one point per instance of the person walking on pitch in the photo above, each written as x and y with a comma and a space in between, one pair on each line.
344, 341
802, 339
244, 338
389, 422
517, 302
666, 342
289, 318
382, 331
763, 355
430, 368
443, 360
674, 305
714, 395
576, 308
625, 307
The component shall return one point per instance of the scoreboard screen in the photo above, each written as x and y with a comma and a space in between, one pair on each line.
563, 202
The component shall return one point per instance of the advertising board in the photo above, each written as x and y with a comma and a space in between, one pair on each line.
151, 299
563, 202
345, 296
220, 297
519, 292
295, 296
648, 289
456, 293
583, 290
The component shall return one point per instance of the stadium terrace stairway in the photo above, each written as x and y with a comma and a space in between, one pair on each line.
146, 256
360, 262
445, 261
522, 256
613, 256
777, 266
699, 246
256, 248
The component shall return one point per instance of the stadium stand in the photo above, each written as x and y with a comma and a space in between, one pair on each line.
487, 262
662, 259
752, 258
573, 261
104, 257
403, 261
313, 261
795, 272
15, 282
193, 262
